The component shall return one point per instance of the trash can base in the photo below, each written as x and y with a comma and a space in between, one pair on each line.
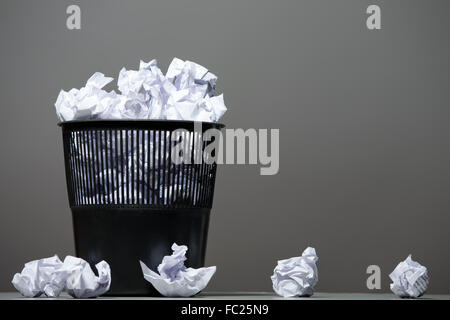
122, 236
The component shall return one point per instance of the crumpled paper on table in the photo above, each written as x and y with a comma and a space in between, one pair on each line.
186, 92
174, 279
410, 279
296, 276
82, 281
41, 276
50, 276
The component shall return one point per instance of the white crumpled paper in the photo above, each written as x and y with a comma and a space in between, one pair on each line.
186, 92
89, 102
50, 276
410, 279
41, 276
174, 279
296, 276
82, 281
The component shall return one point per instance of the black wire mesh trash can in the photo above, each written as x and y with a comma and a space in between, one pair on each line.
130, 202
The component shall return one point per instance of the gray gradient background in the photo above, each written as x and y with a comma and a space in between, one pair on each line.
363, 117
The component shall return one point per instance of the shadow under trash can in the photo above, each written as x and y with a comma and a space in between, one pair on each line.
130, 202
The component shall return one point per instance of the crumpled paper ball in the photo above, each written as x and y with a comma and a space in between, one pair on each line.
186, 92
410, 279
41, 276
82, 281
50, 276
89, 102
296, 276
174, 279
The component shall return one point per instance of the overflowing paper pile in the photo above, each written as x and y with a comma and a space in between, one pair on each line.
50, 276
186, 92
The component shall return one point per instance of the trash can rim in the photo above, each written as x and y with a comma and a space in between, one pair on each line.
138, 124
